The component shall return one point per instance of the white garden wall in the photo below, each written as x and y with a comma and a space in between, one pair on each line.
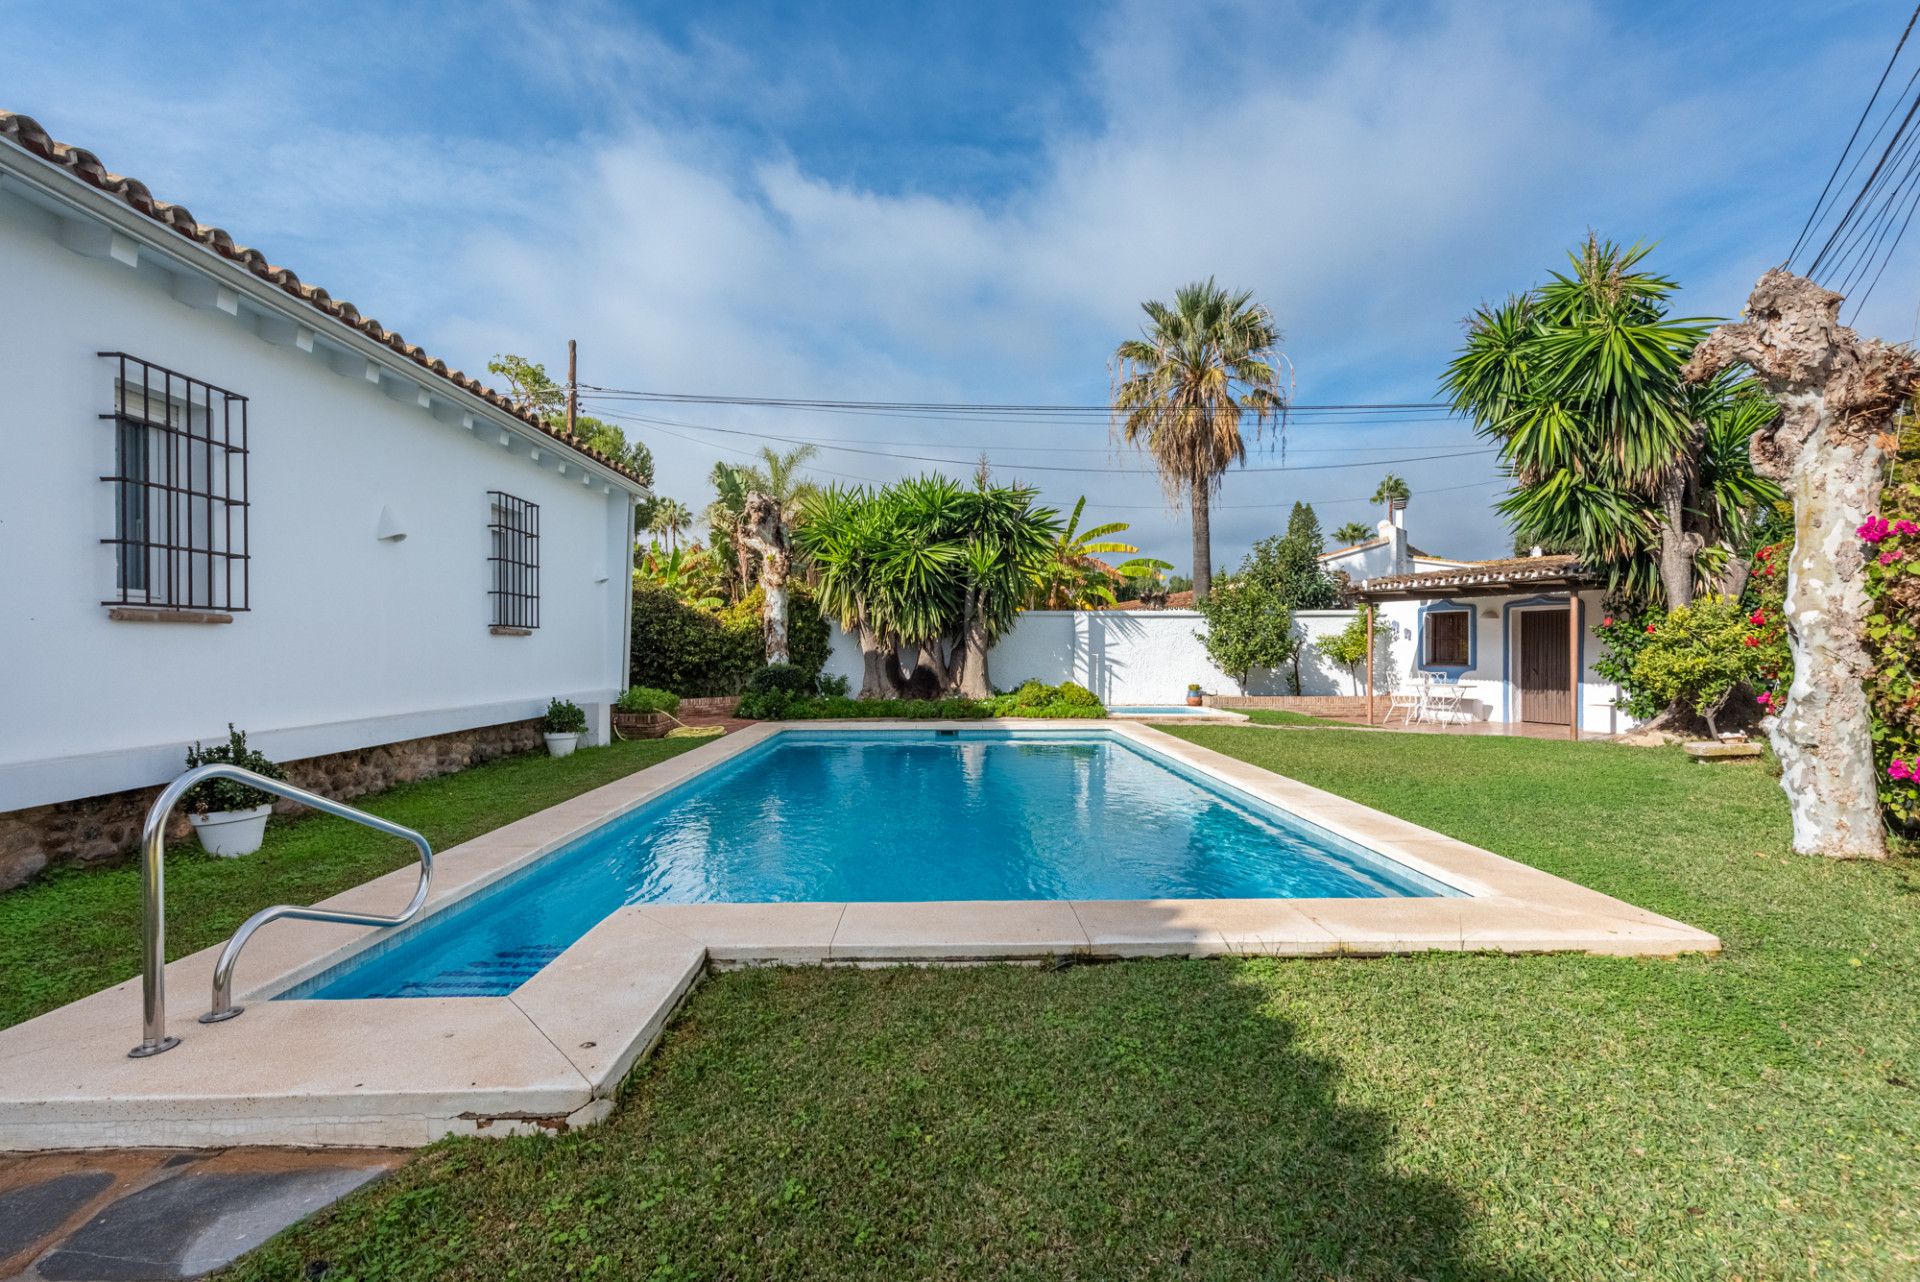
1132, 656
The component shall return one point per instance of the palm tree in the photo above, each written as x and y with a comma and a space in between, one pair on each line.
1182, 388
1579, 382
670, 518
1353, 532
777, 475
1075, 578
1393, 492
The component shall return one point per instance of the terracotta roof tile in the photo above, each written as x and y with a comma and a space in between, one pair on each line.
1512, 570
26, 133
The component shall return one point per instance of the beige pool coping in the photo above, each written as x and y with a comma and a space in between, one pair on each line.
551, 1055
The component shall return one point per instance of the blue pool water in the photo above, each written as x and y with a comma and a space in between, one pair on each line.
885, 816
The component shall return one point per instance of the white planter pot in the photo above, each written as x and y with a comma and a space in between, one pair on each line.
561, 745
231, 833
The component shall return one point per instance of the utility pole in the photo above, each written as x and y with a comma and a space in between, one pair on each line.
573, 390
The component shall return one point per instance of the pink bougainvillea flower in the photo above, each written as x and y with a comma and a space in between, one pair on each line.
1757, 618
1764, 699
1905, 527
1899, 769
1876, 529
1888, 558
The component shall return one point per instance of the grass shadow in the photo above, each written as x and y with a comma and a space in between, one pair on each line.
1149, 1119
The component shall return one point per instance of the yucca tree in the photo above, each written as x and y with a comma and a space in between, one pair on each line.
1076, 578
1579, 382
1006, 540
1184, 389
843, 537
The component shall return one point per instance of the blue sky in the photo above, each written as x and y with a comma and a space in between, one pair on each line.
968, 202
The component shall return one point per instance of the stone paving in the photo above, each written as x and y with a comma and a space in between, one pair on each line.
137, 1215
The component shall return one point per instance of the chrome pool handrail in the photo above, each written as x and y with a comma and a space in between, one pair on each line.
153, 843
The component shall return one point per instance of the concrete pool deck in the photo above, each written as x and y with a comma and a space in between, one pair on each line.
551, 1055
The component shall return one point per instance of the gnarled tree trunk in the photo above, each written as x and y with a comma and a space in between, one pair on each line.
763, 530
970, 669
1838, 394
1678, 545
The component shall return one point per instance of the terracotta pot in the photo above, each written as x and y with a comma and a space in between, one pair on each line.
641, 725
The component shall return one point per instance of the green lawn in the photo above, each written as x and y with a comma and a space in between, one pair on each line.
1281, 717
73, 933
1751, 1116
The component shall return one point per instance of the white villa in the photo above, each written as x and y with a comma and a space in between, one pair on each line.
234, 498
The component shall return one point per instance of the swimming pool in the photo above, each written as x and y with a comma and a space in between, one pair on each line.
885, 816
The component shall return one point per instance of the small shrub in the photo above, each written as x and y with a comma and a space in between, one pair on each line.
834, 686
563, 717
1076, 696
784, 678
213, 795
1700, 654
647, 699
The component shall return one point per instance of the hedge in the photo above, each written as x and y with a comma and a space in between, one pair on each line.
697, 653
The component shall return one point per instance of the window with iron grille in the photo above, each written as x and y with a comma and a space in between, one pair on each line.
515, 531
180, 490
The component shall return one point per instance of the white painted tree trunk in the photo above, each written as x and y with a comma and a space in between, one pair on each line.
762, 530
1838, 395
973, 683
1822, 736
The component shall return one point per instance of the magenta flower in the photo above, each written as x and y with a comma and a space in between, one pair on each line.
1876, 529
1765, 699
1888, 558
1901, 770
1905, 527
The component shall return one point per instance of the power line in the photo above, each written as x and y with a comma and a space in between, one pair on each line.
1031, 467
962, 407
1851, 138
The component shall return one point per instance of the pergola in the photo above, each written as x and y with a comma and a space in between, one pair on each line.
1517, 576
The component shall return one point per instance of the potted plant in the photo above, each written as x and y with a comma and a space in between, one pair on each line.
1193, 694
229, 817
563, 724
644, 713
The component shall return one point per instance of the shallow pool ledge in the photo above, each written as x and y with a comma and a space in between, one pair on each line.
550, 1055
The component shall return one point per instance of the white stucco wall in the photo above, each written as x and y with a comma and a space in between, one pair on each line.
350, 641
1130, 656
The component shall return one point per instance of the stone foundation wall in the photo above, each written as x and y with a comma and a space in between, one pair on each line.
100, 831
1346, 706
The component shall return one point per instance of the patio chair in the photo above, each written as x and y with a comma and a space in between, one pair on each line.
1443, 702
1410, 698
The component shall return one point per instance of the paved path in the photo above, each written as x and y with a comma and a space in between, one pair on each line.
140, 1215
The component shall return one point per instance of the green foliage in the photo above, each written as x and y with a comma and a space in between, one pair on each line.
696, 652
1074, 577
563, 717
1393, 489
833, 685
784, 678
647, 699
529, 383
1625, 628
922, 560
688, 572
1290, 563
1700, 654
211, 796
1348, 647
1248, 626
1893, 637
1033, 699
1354, 532
1579, 382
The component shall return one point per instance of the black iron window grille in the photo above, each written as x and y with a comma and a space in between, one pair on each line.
180, 519
515, 540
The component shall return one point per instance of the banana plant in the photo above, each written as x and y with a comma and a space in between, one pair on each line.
1074, 577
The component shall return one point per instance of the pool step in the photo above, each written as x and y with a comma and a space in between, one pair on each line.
495, 976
